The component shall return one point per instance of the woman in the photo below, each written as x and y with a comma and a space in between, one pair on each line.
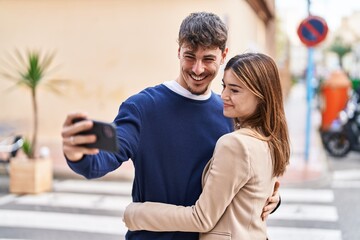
245, 164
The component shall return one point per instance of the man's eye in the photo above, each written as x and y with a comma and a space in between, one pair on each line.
189, 57
208, 60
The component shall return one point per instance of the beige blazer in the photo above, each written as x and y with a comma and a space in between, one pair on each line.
236, 183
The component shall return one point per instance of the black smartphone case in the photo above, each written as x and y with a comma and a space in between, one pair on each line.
105, 136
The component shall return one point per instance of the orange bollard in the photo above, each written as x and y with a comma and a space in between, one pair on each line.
334, 96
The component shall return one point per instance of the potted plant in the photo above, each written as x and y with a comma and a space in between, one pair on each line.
31, 173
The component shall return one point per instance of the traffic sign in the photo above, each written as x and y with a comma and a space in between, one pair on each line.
312, 30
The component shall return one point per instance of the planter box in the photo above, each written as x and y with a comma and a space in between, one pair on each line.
30, 176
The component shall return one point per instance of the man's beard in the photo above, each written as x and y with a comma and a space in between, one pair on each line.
197, 92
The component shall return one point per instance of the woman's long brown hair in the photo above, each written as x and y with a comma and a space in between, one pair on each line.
259, 73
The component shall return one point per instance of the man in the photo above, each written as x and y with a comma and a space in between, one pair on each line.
169, 131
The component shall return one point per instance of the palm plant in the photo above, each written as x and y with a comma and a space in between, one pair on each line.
29, 71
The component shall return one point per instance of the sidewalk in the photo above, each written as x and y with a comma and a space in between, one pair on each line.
315, 168
298, 172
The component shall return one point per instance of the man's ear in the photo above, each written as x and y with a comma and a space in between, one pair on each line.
223, 55
179, 53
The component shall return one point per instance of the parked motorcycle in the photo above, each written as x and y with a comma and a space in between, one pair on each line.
344, 134
9, 148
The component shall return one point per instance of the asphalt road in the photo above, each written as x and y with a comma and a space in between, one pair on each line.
84, 209
346, 187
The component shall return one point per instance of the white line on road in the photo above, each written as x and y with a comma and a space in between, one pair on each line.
306, 212
346, 184
75, 200
306, 195
12, 239
6, 199
282, 233
346, 179
63, 221
110, 187
352, 174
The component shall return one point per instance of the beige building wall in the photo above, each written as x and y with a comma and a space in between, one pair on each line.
108, 50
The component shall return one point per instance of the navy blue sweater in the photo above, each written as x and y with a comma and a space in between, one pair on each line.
169, 138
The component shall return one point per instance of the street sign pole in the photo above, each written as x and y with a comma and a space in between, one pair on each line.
312, 30
309, 96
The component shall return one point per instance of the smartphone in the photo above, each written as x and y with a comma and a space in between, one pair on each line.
105, 135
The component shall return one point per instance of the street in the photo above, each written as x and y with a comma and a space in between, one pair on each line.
326, 209
346, 187
92, 209
76, 209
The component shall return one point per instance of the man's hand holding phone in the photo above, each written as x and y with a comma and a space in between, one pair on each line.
105, 135
83, 136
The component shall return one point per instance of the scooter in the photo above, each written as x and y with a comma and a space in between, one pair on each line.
9, 148
344, 135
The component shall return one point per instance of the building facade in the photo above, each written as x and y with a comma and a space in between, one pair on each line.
108, 50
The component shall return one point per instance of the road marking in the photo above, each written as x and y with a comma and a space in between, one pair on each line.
67, 196
74, 200
104, 187
306, 213
7, 198
306, 195
346, 179
351, 174
345, 184
12, 239
281, 233
63, 221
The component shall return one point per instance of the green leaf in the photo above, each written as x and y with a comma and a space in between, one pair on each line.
27, 148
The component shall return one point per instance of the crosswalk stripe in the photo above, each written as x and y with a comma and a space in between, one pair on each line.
306, 195
104, 187
281, 233
305, 205
346, 179
6, 199
62, 221
306, 212
12, 239
346, 184
297, 204
352, 174
74, 200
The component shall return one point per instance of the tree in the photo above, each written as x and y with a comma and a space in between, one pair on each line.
341, 49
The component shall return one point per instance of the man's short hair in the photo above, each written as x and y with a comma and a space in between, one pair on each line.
203, 29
